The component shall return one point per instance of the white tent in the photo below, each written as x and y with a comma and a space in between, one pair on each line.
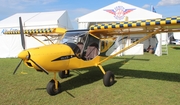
10, 45
176, 36
120, 11
37, 20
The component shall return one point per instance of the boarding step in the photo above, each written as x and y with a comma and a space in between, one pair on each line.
164, 49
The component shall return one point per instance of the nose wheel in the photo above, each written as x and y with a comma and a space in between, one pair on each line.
53, 87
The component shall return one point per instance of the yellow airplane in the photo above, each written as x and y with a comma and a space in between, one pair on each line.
86, 48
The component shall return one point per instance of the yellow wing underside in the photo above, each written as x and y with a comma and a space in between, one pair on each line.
170, 24
43, 32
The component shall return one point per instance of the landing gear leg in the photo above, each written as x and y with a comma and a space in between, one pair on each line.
108, 78
53, 87
63, 74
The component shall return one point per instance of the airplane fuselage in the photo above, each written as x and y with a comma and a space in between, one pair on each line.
55, 57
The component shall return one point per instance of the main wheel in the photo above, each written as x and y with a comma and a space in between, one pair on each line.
108, 79
63, 74
51, 90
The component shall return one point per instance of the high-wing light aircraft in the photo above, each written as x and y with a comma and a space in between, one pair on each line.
86, 48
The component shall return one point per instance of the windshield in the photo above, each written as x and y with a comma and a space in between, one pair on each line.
74, 36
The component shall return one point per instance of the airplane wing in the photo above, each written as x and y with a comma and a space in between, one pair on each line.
51, 34
148, 28
45, 31
170, 24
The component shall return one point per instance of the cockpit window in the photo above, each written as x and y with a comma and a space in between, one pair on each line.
74, 36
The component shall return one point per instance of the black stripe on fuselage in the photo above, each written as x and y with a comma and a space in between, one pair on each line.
64, 58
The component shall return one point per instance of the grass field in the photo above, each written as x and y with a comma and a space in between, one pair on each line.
141, 80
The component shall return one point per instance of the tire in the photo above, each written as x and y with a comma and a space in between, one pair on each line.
63, 74
108, 79
51, 88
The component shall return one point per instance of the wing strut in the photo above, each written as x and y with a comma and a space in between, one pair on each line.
132, 45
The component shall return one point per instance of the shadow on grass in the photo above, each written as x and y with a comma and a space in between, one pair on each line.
132, 58
176, 47
174, 77
94, 74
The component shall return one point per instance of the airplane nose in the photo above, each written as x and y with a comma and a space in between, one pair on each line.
23, 55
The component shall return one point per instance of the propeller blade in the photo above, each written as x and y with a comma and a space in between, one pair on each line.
17, 67
22, 33
22, 42
40, 67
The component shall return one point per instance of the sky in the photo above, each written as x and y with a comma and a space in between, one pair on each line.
78, 8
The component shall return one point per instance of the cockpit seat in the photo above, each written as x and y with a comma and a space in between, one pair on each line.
92, 51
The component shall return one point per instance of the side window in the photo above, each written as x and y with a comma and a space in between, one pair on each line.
104, 45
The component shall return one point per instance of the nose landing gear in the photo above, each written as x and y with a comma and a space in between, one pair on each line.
53, 87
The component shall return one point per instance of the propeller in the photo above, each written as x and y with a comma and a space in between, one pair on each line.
22, 42
29, 58
25, 54
22, 34
17, 66
39, 66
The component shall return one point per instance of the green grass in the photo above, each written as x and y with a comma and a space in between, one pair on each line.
141, 80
